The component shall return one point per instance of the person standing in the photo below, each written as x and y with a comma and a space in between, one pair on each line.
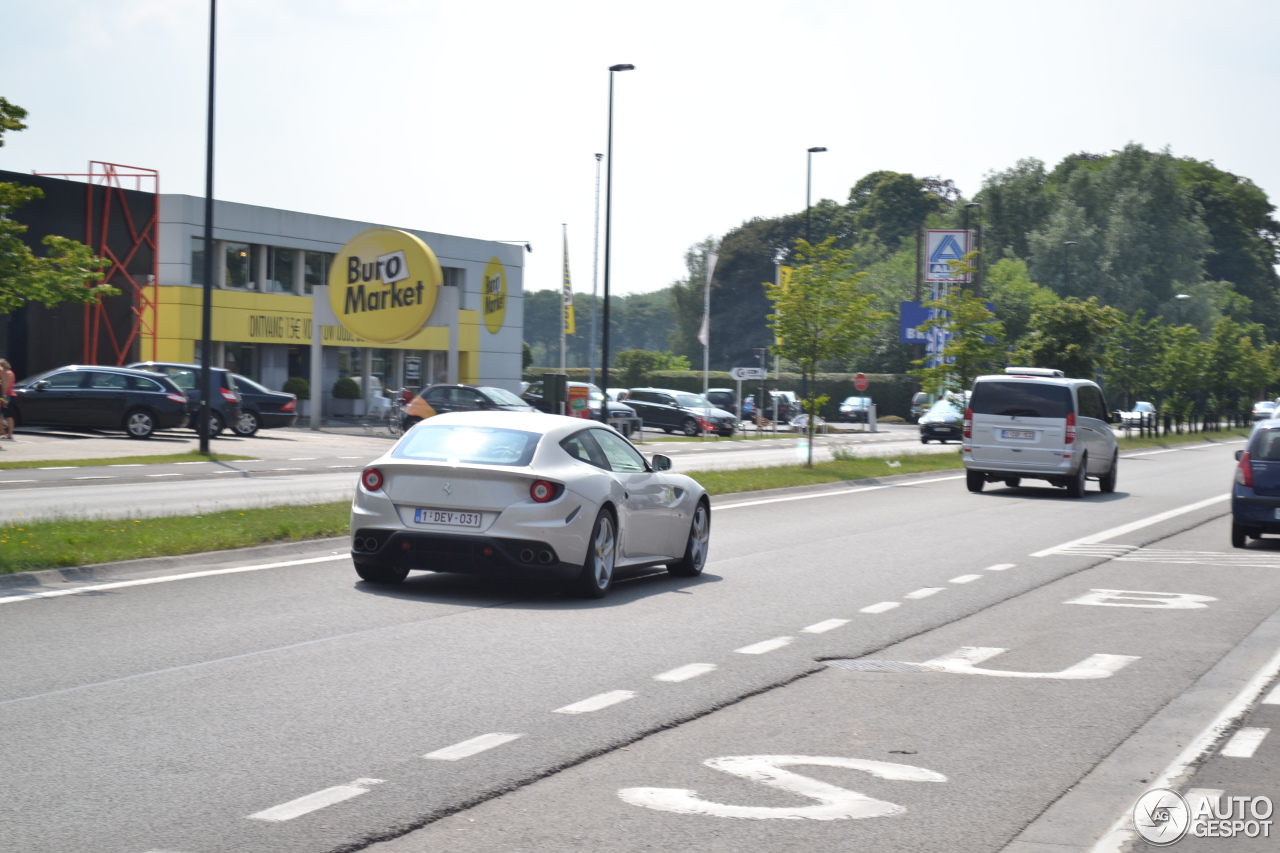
6, 399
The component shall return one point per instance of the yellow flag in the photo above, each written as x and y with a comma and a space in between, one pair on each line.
570, 327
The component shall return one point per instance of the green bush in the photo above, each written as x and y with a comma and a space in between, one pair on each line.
346, 388
298, 387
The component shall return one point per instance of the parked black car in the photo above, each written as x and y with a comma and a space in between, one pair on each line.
87, 396
262, 408
225, 405
779, 409
723, 398
617, 411
438, 399
942, 423
668, 410
855, 410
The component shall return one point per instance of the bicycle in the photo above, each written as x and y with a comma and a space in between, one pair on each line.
395, 416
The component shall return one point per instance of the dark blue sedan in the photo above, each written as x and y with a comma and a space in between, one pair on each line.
262, 408
1255, 499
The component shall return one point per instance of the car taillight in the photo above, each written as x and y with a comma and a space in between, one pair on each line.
706, 425
968, 423
544, 490
289, 406
1071, 428
228, 395
371, 479
1244, 471
177, 398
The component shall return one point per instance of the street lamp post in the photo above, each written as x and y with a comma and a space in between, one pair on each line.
608, 230
206, 312
595, 270
808, 188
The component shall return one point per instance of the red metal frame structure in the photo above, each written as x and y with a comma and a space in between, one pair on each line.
143, 295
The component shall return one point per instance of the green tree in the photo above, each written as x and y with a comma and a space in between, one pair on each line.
1181, 373
1008, 284
1069, 335
1134, 352
69, 271
823, 313
889, 206
633, 366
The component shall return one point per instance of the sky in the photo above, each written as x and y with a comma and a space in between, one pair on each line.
482, 119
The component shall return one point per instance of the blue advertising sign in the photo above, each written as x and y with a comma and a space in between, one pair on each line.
911, 315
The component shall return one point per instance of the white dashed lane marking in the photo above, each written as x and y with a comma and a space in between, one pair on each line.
765, 646
163, 475
58, 468
686, 672
925, 592
471, 747
882, 607
823, 627
965, 579
1244, 743
1001, 567
1273, 698
17, 481
595, 703
316, 801
95, 477
126, 465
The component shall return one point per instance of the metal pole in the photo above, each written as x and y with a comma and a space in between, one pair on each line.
206, 320
808, 187
595, 268
564, 261
608, 232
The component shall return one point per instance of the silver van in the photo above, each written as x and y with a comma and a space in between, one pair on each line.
1035, 423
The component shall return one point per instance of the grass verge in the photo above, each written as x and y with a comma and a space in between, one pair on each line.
79, 542
835, 471
1135, 443
193, 456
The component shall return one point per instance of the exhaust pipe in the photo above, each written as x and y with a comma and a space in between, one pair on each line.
358, 542
526, 556
545, 557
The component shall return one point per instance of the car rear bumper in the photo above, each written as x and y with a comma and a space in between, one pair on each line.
1249, 509
276, 420
465, 554
941, 431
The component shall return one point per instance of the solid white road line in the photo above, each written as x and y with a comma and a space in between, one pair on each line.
686, 672
1150, 453
924, 593
1245, 743
55, 593
126, 465
288, 469
1273, 698
162, 475
882, 607
301, 458
58, 468
316, 801
1001, 567
833, 493
196, 462
823, 627
595, 703
95, 477
965, 579
476, 745
765, 646
1122, 829
17, 481
1132, 526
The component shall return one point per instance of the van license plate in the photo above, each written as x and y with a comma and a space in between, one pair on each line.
442, 516
1024, 434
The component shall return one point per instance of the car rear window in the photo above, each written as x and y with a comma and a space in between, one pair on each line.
1265, 445
1021, 399
469, 444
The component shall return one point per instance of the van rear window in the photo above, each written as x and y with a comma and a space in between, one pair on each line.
1265, 445
1021, 399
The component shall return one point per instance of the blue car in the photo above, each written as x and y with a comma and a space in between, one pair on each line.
1255, 499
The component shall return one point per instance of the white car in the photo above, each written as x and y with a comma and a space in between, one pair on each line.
533, 495
1141, 409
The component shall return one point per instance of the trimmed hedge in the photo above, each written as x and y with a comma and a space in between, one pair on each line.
891, 392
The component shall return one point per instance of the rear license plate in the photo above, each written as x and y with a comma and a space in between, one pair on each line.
444, 516
1023, 434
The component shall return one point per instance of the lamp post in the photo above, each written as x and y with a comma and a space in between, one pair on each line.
595, 269
1066, 264
608, 230
808, 188
206, 311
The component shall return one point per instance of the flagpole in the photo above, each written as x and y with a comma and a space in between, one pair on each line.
564, 312
704, 334
595, 267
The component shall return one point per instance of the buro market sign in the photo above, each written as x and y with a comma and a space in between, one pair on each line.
382, 285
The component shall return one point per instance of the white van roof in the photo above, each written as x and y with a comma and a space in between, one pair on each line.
1034, 371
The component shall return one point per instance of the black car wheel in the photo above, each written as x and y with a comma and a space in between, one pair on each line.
216, 424
597, 569
1107, 482
140, 424
975, 480
1238, 534
689, 427
695, 550
1075, 488
381, 574
247, 425
924, 440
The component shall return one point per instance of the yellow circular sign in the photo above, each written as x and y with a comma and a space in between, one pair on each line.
493, 293
383, 283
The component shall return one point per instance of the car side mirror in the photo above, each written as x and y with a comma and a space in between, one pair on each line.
1239, 454
661, 463
41, 385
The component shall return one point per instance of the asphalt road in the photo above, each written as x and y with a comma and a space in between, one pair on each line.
278, 704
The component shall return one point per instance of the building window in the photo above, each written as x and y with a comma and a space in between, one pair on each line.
241, 358
316, 273
280, 264
239, 271
197, 260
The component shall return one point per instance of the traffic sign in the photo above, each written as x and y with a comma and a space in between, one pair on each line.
860, 382
744, 373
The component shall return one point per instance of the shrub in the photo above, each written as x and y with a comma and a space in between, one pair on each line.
346, 388
298, 387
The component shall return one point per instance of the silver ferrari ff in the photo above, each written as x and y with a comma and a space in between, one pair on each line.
540, 496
